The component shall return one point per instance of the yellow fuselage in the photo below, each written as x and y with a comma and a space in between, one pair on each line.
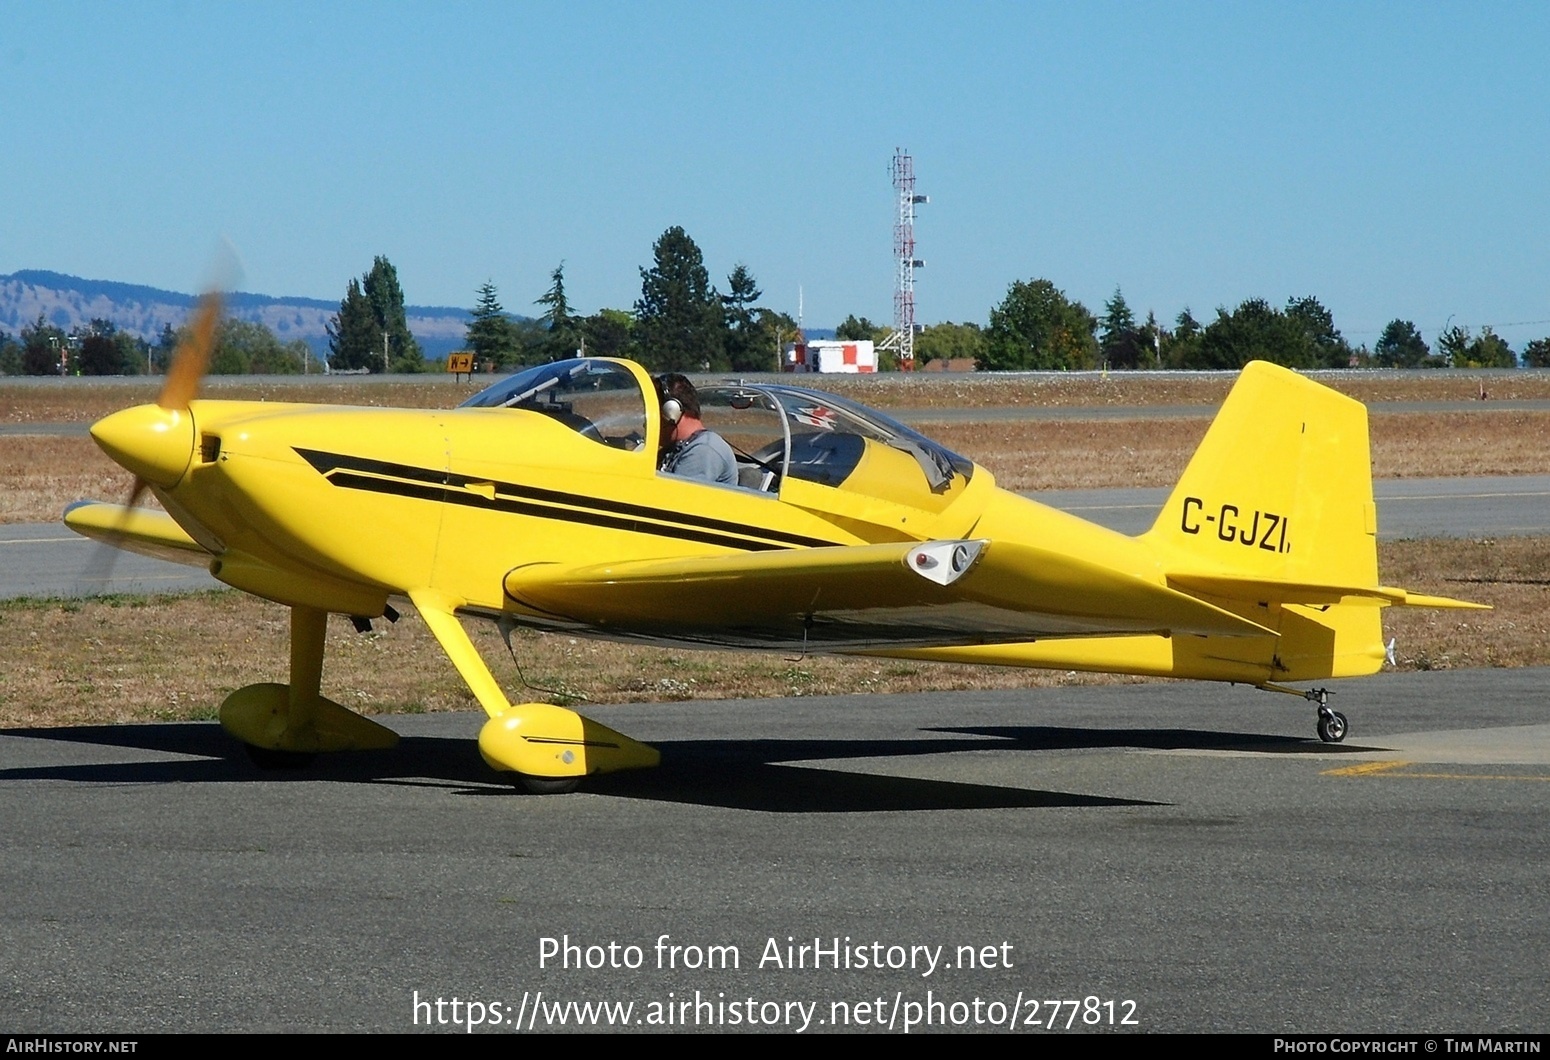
339, 508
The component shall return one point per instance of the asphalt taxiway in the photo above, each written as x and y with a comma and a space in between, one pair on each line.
1190, 849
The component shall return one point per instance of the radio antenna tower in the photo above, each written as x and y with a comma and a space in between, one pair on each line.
903, 337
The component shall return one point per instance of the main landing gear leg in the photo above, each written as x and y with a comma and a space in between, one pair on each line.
543, 749
284, 726
1332, 725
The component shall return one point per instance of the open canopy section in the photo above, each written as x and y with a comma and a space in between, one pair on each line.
782, 432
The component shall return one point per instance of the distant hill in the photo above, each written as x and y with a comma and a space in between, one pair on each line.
70, 301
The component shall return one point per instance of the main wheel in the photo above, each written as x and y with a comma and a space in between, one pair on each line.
1333, 727
545, 785
268, 758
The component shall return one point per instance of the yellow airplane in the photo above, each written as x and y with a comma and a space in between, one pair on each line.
538, 503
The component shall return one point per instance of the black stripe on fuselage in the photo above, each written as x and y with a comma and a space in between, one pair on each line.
449, 488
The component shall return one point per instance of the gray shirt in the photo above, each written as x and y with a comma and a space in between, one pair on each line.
703, 455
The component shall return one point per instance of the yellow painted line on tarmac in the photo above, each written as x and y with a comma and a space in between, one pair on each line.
1391, 769
1364, 769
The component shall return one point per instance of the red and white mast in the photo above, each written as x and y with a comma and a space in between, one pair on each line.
903, 337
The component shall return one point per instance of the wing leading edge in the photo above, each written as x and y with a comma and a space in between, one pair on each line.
150, 533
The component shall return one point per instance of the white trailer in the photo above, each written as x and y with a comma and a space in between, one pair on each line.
830, 355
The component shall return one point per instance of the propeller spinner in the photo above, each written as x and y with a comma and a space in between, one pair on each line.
156, 442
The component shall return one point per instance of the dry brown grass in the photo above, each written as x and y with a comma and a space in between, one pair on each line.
175, 658
1077, 454
1510, 574
1102, 454
1449, 444
84, 400
42, 474
1143, 388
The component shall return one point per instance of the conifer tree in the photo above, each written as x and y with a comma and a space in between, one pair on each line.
563, 337
1121, 342
380, 285
746, 342
1400, 346
678, 320
489, 333
354, 338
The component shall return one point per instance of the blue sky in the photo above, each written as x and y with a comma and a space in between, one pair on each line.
1391, 159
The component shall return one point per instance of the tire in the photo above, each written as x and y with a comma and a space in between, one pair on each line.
545, 785
1333, 727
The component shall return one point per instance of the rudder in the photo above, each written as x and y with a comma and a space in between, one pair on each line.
1280, 488
1274, 518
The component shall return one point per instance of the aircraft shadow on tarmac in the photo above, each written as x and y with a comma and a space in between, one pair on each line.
1056, 738
730, 773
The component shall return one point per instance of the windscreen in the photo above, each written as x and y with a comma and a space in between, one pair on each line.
598, 399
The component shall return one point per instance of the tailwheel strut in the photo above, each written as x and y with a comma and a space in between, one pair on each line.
1332, 725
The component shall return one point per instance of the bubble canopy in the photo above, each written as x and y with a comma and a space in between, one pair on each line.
777, 431
540, 389
597, 398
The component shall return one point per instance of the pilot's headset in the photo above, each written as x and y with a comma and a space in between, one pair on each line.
672, 409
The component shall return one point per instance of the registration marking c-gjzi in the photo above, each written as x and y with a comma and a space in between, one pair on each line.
1267, 530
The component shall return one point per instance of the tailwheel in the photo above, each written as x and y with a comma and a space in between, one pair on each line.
545, 785
269, 758
1332, 724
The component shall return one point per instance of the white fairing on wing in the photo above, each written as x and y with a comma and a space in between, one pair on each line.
944, 562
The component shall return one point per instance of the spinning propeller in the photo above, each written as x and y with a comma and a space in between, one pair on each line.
156, 442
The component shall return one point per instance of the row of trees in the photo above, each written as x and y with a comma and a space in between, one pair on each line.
369, 333
680, 323
100, 348
1037, 327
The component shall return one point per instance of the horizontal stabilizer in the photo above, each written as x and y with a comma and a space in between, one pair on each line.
142, 530
1267, 591
1422, 600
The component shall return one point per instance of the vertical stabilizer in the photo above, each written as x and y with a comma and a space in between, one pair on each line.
1279, 490
1274, 519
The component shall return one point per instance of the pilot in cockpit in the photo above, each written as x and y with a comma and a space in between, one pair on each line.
689, 448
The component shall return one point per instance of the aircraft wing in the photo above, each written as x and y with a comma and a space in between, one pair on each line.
150, 533
865, 596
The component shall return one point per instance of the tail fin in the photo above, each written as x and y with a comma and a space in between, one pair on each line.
1274, 520
1280, 489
